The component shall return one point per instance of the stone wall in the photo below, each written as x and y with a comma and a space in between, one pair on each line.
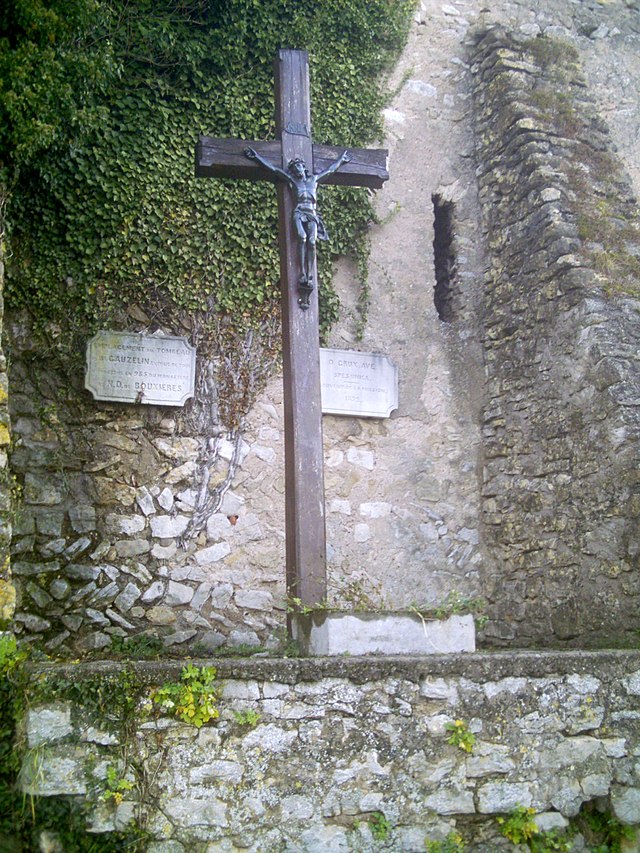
338, 745
7, 589
110, 540
561, 334
488, 480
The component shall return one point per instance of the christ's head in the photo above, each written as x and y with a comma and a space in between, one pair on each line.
298, 168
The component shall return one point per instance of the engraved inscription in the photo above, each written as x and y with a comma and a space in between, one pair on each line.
148, 369
355, 383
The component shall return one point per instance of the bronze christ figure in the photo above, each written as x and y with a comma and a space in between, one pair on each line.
306, 217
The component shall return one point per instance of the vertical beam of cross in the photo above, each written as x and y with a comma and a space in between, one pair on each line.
225, 158
304, 472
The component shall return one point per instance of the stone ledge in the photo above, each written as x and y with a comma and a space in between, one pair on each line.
610, 665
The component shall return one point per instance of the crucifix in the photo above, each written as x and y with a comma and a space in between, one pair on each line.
297, 165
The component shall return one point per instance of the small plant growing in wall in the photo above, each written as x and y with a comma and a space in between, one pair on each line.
248, 718
380, 826
453, 843
460, 735
550, 842
519, 826
116, 786
193, 699
602, 830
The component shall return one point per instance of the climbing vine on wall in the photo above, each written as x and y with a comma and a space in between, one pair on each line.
103, 103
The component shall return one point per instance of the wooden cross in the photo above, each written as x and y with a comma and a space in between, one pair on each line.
226, 158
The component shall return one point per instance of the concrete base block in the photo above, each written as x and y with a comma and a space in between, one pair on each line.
327, 632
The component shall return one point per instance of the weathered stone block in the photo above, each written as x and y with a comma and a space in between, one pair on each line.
48, 724
168, 526
336, 633
43, 489
187, 812
449, 801
625, 803
254, 599
127, 598
82, 518
502, 797
54, 773
212, 554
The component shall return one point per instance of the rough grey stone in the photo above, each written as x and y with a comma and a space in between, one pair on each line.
450, 801
201, 595
164, 552
48, 724
187, 811
59, 588
96, 616
100, 736
221, 595
43, 489
161, 615
212, 640
127, 524
168, 526
154, 592
225, 771
32, 622
213, 554
178, 594
38, 595
105, 595
145, 501
49, 521
119, 620
26, 569
180, 474
72, 621
53, 547
231, 504
138, 571
83, 518
625, 803
325, 839
179, 637
132, 547
54, 775
127, 598
77, 547
375, 509
254, 599
94, 642
165, 499
243, 637
218, 526
632, 684
83, 572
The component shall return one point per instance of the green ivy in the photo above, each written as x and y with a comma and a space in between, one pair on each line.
103, 104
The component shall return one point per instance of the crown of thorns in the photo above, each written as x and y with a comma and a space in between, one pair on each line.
296, 162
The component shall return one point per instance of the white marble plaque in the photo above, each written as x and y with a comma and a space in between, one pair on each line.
130, 368
358, 383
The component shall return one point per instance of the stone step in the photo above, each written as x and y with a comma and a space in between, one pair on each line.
332, 632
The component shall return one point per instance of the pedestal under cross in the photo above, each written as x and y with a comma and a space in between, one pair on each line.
231, 158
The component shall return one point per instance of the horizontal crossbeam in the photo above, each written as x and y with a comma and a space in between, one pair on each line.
224, 158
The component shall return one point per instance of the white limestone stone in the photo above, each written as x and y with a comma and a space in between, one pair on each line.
48, 724
168, 526
212, 554
178, 594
